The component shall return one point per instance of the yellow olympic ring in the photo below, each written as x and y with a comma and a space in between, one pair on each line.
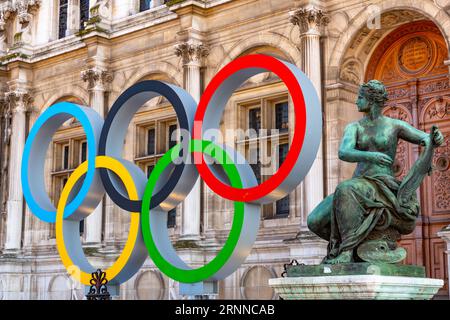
134, 236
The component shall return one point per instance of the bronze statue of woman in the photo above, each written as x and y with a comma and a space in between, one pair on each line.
367, 214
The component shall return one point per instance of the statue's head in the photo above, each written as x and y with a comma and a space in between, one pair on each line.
372, 94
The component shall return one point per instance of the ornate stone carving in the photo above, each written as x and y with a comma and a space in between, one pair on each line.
388, 20
100, 15
377, 35
393, 18
191, 52
442, 176
25, 9
439, 109
309, 19
97, 78
6, 12
101, 9
360, 38
351, 72
16, 101
25, 12
398, 93
392, 38
397, 113
415, 55
434, 86
19, 100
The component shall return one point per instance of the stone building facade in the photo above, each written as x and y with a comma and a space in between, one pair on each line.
89, 52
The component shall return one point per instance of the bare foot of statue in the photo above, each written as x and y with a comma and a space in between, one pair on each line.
344, 257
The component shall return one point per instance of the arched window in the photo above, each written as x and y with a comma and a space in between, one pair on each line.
63, 9
84, 13
144, 5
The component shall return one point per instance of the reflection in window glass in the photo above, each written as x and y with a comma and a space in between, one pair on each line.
281, 116
254, 119
282, 206
84, 13
144, 5
83, 155
66, 157
62, 18
171, 218
150, 142
171, 137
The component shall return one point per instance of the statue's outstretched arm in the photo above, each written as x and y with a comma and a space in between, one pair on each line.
421, 167
408, 133
349, 153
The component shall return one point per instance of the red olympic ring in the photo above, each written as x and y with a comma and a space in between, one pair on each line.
254, 193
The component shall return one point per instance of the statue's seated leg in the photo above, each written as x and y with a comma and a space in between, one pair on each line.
319, 220
352, 218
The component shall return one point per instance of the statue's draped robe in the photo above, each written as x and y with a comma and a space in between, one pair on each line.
363, 204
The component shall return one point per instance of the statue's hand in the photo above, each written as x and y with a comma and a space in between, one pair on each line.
380, 158
437, 136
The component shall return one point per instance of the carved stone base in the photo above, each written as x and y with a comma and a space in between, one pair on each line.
357, 269
356, 287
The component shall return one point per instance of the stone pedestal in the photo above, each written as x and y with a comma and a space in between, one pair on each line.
307, 247
356, 281
445, 235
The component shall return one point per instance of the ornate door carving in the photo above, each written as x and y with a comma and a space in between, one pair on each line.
410, 61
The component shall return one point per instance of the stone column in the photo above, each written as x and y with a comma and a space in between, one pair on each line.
310, 20
48, 23
73, 17
19, 101
5, 136
98, 81
193, 55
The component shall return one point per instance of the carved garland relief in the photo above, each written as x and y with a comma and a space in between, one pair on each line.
438, 111
442, 176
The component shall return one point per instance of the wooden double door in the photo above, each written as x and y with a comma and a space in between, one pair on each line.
410, 62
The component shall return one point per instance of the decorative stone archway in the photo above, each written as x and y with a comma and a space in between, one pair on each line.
71, 93
263, 39
347, 63
157, 68
428, 10
352, 60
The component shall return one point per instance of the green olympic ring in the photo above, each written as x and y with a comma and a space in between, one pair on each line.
183, 274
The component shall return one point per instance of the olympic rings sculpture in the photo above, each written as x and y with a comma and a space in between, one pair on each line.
174, 176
